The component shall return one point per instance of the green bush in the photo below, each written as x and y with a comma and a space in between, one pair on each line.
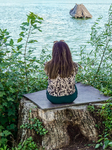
97, 71
103, 117
20, 72
97, 64
27, 144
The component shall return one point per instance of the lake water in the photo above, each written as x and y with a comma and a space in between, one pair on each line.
57, 23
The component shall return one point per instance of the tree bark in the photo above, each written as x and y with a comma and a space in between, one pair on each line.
58, 122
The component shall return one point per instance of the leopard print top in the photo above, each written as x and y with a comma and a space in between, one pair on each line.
62, 86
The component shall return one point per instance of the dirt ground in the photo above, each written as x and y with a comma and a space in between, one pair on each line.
80, 143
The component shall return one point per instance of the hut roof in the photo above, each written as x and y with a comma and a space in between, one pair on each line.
80, 11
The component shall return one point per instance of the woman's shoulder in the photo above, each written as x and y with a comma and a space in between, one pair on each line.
75, 65
47, 62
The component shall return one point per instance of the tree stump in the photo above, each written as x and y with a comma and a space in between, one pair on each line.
58, 121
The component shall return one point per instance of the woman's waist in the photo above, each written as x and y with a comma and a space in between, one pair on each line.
56, 91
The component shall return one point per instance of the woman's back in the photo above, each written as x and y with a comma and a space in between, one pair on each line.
61, 71
62, 86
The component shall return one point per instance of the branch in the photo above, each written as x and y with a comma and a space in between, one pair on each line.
25, 55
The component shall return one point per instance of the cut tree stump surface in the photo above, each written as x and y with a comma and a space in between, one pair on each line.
86, 94
62, 121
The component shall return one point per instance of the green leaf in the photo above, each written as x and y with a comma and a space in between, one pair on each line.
97, 146
4, 104
10, 113
12, 90
6, 133
11, 127
19, 40
44, 129
11, 42
32, 41
22, 34
22, 27
25, 24
19, 46
10, 99
1, 127
4, 120
1, 86
110, 144
1, 134
3, 141
2, 93
40, 30
9, 83
40, 18
106, 144
100, 140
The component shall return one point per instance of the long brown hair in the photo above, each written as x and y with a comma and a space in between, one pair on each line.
61, 62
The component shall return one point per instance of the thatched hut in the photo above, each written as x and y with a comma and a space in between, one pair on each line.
80, 11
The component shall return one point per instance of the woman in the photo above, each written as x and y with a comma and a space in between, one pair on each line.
61, 71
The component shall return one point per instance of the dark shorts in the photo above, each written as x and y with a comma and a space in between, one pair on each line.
62, 99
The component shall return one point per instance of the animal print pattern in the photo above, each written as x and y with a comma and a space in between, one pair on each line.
62, 86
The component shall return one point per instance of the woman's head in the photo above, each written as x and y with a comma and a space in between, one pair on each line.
61, 62
61, 52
